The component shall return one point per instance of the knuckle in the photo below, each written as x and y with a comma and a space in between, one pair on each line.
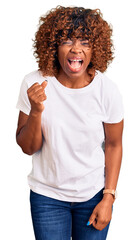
44, 95
102, 220
100, 229
35, 84
34, 90
29, 96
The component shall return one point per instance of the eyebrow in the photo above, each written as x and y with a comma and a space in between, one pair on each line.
84, 40
81, 40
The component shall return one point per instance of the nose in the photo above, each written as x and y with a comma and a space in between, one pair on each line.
76, 47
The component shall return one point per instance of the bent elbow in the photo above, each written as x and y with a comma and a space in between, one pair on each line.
28, 152
28, 148
24, 148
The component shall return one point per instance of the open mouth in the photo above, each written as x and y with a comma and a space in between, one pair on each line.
75, 64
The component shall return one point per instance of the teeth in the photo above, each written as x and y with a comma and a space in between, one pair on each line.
75, 63
75, 60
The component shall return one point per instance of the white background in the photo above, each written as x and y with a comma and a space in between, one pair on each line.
19, 20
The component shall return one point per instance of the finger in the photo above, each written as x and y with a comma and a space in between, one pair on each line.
34, 91
92, 219
40, 98
101, 223
33, 87
38, 92
44, 84
98, 226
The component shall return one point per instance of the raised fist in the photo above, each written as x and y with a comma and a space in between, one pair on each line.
36, 95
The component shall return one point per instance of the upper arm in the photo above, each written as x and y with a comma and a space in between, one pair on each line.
22, 119
113, 133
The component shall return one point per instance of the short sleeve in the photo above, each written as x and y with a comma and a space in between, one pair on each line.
113, 104
23, 103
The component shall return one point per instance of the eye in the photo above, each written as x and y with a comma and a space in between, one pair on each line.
67, 42
85, 43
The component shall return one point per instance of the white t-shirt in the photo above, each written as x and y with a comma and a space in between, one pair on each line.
70, 165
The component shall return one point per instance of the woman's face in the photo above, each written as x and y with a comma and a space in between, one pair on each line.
74, 56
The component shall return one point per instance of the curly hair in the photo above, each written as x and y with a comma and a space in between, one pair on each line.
61, 23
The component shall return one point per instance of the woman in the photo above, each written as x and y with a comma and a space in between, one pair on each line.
68, 107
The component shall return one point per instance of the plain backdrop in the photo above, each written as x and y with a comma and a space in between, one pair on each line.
19, 20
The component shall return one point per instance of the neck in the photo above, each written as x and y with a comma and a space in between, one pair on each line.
74, 82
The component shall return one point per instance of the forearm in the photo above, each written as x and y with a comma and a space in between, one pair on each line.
102, 213
113, 158
29, 138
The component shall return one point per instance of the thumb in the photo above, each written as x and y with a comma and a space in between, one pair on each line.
92, 219
44, 84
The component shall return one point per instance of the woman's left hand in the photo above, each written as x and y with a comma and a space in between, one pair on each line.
101, 214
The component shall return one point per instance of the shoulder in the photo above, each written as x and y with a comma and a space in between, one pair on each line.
108, 88
105, 82
112, 102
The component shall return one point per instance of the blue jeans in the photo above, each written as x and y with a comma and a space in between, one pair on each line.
59, 220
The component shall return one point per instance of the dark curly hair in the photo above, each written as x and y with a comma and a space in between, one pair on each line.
62, 23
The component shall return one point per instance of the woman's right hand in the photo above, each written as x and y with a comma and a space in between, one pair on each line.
36, 95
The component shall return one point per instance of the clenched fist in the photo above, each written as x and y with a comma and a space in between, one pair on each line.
36, 95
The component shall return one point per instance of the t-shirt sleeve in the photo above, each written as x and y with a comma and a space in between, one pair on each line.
23, 103
113, 104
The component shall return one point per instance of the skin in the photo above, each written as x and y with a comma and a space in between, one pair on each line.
70, 49
102, 213
29, 134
